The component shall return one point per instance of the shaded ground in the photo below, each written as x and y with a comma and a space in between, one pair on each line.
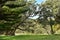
31, 37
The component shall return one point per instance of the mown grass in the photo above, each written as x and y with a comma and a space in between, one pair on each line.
31, 37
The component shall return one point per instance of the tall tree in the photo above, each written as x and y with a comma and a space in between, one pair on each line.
48, 12
12, 14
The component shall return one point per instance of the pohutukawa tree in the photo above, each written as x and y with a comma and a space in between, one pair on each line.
50, 10
12, 14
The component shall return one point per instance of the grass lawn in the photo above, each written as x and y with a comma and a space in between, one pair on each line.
31, 37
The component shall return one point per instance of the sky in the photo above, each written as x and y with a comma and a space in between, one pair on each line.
39, 1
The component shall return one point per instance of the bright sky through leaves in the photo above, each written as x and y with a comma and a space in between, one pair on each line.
40, 1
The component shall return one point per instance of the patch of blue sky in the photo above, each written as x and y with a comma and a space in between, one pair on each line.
39, 1
35, 17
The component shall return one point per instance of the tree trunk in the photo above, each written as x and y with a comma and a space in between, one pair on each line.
52, 32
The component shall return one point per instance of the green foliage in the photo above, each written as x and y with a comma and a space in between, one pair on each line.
13, 15
11, 12
13, 4
50, 9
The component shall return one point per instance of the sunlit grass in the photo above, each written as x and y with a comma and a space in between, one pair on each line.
31, 37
